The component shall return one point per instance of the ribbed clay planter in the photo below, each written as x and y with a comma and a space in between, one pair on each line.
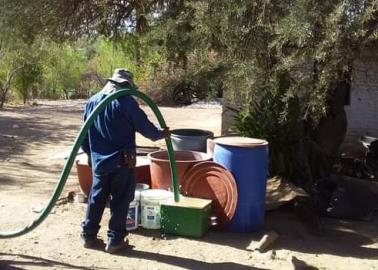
160, 170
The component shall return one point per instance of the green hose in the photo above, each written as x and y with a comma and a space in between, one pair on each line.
79, 139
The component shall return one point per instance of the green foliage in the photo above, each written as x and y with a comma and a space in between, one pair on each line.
27, 79
29, 59
62, 69
8, 70
277, 119
140, 59
282, 59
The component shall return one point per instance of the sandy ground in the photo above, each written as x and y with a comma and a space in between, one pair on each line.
33, 140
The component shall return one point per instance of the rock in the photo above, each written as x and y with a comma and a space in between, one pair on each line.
266, 241
273, 255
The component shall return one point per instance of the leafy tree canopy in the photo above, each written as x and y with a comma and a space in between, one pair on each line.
289, 56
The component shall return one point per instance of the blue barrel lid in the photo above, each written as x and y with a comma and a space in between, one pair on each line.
241, 141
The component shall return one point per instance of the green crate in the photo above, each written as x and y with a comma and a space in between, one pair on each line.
189, 217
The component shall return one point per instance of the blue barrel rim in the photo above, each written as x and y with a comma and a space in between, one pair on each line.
232, 141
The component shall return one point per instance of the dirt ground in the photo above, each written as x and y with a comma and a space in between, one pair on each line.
33, 142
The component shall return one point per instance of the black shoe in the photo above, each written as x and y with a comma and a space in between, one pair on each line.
91, 242
114, 248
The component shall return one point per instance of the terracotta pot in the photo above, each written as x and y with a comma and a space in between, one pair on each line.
161, 172
143, 175
84, 173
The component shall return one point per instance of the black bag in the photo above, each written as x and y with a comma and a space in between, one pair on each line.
345, 197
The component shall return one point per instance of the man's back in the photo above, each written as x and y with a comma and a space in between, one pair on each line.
113, 131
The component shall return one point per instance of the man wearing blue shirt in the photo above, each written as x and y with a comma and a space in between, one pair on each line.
111, 148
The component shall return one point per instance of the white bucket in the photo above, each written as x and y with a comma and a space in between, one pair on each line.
133, 216
138, 189
150, 201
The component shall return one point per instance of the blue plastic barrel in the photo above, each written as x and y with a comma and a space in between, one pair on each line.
247, 159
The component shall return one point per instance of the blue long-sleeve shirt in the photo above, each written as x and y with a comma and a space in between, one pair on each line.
113, 131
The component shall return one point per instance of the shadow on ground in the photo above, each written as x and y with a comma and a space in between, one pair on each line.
36, 262
185, 262
340, 238
18, 130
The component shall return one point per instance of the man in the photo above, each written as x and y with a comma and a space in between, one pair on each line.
111, 149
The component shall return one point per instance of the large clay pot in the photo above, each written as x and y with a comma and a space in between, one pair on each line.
160, 169
84, 173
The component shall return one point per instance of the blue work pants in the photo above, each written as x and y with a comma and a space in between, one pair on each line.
119, 185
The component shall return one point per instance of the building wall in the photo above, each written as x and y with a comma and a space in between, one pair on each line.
362, 113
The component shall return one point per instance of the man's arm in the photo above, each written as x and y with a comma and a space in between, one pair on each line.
143, 125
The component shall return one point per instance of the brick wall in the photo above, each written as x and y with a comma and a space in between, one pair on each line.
362, 113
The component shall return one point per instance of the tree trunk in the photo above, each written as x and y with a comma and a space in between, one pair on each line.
330, 133
6, 86
2, 98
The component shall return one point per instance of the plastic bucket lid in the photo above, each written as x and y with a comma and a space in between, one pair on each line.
137, 195
134, 203
138, 189
155, 195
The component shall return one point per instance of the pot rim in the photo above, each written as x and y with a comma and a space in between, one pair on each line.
205, 156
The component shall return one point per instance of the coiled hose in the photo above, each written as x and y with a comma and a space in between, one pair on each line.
79, 139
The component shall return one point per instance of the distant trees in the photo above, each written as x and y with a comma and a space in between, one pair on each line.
41, 69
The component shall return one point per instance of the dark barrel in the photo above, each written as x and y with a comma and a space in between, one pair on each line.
190, 139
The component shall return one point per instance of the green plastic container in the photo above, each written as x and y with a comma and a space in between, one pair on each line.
188, 217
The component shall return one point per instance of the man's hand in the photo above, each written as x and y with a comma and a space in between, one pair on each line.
166, 132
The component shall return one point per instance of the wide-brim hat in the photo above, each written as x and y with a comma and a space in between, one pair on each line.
121, 76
